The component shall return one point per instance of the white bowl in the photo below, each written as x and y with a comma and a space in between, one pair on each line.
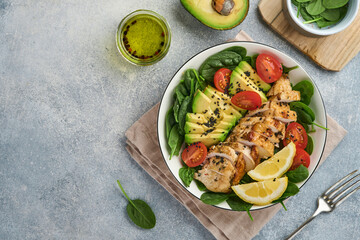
296, 76
290, 11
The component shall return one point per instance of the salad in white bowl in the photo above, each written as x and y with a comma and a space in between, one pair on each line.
242, 126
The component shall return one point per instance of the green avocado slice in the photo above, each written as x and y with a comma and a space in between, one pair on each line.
204, 12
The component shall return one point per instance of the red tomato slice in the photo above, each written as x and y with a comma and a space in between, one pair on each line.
296, 133
194, 154
301, 157
248, 100
222, 79
268, 68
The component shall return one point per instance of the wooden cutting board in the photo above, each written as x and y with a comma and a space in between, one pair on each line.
331, 52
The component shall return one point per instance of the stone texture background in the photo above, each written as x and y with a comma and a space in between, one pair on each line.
67, 98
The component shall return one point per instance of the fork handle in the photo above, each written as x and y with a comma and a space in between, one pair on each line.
301, 227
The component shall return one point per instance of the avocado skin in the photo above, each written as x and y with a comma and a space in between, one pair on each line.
193, 12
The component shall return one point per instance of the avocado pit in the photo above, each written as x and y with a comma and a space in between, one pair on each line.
223, 7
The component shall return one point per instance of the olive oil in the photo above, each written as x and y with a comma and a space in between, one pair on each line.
144, 38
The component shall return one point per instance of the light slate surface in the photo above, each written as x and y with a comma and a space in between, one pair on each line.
67, 97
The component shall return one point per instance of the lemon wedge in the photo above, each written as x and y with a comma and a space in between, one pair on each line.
275, 166
261, 193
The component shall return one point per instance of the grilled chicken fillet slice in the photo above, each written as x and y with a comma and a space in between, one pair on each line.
282, 85
216, 174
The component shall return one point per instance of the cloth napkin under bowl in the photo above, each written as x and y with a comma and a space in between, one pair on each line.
143, 146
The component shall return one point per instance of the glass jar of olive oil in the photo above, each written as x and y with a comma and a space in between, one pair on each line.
143, 37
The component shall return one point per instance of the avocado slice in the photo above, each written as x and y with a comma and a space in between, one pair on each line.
199, 128
207, 139
204, 12
251, 73
200, 118
240, 82
203, 104
211, 92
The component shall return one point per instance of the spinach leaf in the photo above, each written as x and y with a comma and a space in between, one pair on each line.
286, 70
251, 60
213, 198
223, 59
238, 204
175, 140
239, 50
315, 7
176, 108
330, 4
306, 126
306, 90
306, 112
186, 175
310, 145
169, 121
184, 108
202, 83
302, 1
139, 211
306, 16
190, 78
200, 185
331, 14
324, 23
298, 175
179, 96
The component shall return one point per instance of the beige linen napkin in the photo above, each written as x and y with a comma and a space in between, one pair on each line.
143, 146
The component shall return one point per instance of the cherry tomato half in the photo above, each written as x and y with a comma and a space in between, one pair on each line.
301, 157
194, 154
222, 79
248, 100
268, 68
296, 133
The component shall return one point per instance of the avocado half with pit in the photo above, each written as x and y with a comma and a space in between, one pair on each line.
204, 11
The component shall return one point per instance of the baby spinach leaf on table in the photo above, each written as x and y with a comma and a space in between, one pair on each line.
306, 90
315, 7
213, 198
186, 175
223, 59
139, 211
169, 121
310, 145
298, 175
238, 204
330, 4
200, 185
175, 141
331, 14
286, 70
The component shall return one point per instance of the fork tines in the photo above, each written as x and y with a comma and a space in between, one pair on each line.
342, 189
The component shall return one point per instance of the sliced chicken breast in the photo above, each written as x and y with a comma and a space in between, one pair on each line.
280, 86
216, 174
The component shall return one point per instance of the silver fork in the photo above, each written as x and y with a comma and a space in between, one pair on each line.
333, 197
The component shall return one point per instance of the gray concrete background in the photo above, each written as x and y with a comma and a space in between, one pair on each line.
67, 97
